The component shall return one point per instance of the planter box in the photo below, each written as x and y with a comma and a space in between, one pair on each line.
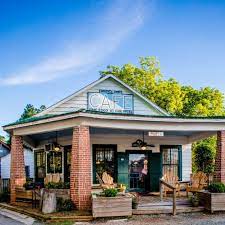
111, 206
212, 201
60, 193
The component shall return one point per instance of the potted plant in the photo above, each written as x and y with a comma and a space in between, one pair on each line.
122, 188
214, 198
110, 204
195, 200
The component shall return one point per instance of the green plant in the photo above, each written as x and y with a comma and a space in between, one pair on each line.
135, 199
65, 204
60, 185
110, 192
217, 187
195, 200
29, 184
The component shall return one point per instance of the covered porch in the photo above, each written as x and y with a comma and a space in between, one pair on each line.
91, 142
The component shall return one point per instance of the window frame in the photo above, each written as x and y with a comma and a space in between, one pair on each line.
179, 164
94, 147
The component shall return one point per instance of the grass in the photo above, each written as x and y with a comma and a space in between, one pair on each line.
61, 223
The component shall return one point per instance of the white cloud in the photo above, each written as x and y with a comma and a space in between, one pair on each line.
116, 23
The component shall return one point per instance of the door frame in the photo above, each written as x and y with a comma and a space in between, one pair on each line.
148, 153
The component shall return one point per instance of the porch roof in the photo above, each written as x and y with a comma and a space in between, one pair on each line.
112, 120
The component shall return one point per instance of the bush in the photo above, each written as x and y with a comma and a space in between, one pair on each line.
60, 185
110, 192
64, 205
217, 187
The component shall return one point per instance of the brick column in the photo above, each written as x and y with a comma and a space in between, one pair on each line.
219, 174
80, 175
17, 172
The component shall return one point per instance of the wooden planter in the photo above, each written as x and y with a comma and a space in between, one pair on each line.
111, 206
212, 201
60, 193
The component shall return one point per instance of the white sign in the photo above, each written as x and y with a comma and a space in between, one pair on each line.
155, 134
110, 101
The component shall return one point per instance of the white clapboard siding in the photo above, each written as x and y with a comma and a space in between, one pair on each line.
6, 161
80, 101
186, 162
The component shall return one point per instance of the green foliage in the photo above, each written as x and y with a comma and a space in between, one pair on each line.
2, 138
64, 205
204, 154
60, 185
110, 192
30, 111
168, 94
217, 187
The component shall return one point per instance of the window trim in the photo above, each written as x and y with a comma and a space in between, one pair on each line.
179, 147
94, 146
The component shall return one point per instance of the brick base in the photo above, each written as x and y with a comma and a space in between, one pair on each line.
80, 175
17, 172
219, 174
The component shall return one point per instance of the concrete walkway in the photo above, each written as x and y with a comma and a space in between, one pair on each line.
10, 218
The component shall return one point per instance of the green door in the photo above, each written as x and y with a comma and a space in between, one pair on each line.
155, 171
122, 161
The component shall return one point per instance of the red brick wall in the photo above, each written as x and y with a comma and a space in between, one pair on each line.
80, 177
17, 172
220, 157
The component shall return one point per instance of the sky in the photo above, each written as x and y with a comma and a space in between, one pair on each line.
49, 49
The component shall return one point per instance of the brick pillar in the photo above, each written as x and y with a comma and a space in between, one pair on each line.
80, 176
219, 174
17, 172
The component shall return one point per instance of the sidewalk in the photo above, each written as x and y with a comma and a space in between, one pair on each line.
11, 218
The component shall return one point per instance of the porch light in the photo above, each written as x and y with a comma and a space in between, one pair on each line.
56, 145
56, 148
144, 147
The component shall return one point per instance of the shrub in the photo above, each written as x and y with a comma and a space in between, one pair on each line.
110, 192
217, 187
60, 185
64, 205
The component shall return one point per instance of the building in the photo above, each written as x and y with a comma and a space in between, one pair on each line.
108, 126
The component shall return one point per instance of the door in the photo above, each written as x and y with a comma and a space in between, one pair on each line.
122, 162
155, 171
138, 172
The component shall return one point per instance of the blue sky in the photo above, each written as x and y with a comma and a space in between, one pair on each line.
49, 49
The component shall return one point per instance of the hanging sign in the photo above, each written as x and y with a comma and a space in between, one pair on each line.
155, 134
110, 101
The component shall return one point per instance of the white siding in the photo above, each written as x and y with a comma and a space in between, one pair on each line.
186, 162
6, 161
80, 101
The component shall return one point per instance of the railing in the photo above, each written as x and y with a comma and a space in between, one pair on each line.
162, 182
4, 185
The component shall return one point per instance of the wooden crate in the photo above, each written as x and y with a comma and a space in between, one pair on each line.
111, 206
212, 201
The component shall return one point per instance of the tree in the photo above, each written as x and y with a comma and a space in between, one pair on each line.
170, 95
204, 156
2, 138
30, 111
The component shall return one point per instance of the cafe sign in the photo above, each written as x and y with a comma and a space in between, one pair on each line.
111, 101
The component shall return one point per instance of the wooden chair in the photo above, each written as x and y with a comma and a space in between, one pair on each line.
171, 179
106, 181
198, 182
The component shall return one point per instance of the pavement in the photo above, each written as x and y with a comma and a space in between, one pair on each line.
8, 217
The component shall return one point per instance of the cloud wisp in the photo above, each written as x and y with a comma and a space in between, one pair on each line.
120, 20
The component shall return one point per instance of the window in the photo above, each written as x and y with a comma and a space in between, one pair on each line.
27, 171
171, 160
54, 162
39, 165
104, 160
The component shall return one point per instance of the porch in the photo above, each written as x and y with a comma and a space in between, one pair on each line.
74, 137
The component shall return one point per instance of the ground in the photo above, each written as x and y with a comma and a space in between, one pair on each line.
182, 219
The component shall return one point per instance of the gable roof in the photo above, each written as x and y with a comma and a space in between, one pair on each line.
46, 111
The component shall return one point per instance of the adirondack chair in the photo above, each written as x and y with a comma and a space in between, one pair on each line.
173, 180
106, 181
198, 182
